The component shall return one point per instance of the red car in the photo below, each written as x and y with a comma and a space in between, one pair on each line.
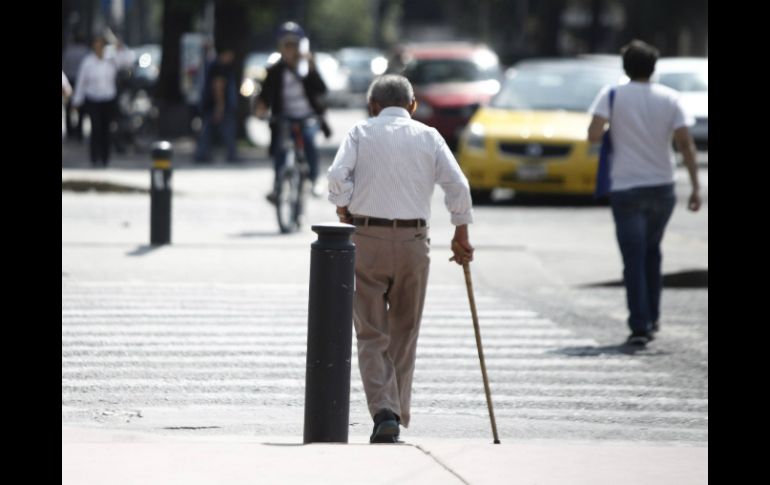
450, 81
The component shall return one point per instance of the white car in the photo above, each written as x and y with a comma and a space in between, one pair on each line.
335, 77
689, 76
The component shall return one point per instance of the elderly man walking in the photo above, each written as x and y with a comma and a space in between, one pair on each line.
382, 181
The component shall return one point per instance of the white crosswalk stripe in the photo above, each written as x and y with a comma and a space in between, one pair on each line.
243, 346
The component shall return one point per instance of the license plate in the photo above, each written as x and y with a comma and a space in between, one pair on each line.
531, 173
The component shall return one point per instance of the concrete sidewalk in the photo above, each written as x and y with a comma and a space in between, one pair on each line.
98, 456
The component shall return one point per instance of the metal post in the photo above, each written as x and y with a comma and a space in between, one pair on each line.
160, 193
329, 334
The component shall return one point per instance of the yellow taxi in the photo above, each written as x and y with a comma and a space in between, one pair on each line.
532, 137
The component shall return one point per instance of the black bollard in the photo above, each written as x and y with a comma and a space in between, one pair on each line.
329, 334
160, 193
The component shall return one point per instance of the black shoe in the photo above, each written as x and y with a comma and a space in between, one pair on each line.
386, 428
639, 339
272, 197
655, 327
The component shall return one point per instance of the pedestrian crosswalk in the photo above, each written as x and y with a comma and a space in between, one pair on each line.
241, 347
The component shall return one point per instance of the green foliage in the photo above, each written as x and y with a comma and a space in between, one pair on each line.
338, 23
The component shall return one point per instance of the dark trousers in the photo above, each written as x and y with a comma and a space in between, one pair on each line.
311, 152
101, 114
227, 130
641, 215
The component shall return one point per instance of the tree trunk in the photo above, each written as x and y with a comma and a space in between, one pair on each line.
596, 31
233, 31
174, 119
550, 20
177, 19
65, 14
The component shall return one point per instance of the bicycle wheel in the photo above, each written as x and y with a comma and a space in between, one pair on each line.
288, 202
303, 171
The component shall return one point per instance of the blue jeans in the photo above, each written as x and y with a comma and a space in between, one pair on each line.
227, 130
309, 131
641, 215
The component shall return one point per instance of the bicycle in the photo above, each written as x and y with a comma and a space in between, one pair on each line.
293, 176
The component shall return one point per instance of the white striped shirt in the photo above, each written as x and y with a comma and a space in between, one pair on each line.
388, 167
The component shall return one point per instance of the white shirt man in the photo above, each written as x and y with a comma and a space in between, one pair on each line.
97, 75
382, 181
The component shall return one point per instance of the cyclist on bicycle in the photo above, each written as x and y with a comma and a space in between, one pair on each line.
293, 90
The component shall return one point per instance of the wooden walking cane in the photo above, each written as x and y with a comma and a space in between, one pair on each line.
477, 330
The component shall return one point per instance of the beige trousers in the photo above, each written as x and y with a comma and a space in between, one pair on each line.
391, 279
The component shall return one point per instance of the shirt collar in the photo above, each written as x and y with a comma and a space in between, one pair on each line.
396, 111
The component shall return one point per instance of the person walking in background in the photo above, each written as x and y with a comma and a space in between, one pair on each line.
96, 91
642, 117
66, 87
74, 54
218, 107
66, 94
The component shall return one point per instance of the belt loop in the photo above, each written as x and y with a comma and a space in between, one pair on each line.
395, 223
366, 221
419, 223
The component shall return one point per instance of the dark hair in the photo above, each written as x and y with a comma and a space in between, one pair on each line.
639, 59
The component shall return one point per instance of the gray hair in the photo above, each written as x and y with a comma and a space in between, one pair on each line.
390, 90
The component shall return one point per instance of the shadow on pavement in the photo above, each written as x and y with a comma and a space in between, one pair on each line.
190, 428
694, 278
246, 235
98, 186
142, 250
538, 200
622, 349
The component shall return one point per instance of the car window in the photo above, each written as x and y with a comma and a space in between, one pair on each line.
359, 64
357, 59
685, 81
256, 60
448, 71
554, 89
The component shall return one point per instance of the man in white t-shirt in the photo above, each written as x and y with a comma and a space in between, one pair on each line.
643, 118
